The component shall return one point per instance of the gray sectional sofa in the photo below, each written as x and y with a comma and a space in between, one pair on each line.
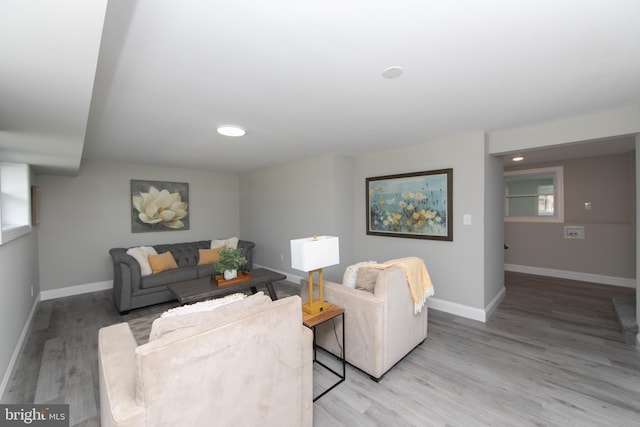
133, 290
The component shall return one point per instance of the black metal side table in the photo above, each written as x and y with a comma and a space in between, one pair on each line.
313, 320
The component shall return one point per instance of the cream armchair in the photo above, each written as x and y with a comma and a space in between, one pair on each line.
252, 367
381, 327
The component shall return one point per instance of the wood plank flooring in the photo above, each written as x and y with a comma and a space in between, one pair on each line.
552, 354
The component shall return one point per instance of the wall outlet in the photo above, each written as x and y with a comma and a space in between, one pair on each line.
574, 232
282, 257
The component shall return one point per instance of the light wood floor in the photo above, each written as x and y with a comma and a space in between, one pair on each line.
551, 355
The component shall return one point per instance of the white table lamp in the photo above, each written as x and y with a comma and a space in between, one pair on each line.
312, 254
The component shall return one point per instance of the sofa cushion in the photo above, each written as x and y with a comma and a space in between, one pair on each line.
185, 254
162, 262
202, 306
164, 326
141, 254
168, 277
206, 270
209, 256
351, 272
366, 278
231, 242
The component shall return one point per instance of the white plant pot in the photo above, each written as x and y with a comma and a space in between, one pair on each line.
230, 274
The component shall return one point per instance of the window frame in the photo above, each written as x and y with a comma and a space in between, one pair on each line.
557, 172
15, 201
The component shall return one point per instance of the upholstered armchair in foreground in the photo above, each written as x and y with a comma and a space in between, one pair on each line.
381, 327
251, 366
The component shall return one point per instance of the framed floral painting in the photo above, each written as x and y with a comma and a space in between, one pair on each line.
159, 206
416, 205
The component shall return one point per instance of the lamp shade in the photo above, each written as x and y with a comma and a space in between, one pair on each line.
313, 253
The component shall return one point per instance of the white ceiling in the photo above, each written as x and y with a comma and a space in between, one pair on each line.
304, 78
584, 149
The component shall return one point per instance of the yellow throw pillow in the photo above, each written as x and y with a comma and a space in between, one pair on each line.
162, 262
209, 256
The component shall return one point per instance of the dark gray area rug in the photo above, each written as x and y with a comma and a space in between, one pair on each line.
626, 313
141, 327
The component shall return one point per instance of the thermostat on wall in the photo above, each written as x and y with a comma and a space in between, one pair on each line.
574, 232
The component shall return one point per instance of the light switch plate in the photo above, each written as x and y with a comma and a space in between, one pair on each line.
466, 219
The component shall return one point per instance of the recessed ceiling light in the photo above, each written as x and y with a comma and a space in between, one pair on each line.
392, 72
517, 159
231, 130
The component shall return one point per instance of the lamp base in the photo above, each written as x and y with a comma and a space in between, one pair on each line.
315, 306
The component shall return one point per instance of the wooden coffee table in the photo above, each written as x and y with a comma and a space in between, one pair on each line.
201, 289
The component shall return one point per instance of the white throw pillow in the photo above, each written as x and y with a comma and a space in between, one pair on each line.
164, 326
351, 273
231, 242
141, 254
199, 307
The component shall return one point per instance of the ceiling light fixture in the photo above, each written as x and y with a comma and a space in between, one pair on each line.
231, 130
392, 72
517, 159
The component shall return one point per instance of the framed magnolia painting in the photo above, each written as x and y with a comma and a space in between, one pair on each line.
159, 206
416, 205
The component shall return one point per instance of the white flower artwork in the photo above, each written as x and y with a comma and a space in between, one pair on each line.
159, 206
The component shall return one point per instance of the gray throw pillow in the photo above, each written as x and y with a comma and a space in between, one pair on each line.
366, 278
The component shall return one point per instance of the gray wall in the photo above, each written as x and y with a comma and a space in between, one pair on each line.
326, 195
19, 270
83, 217
294, 200
18, 275
88, 214
610, 228
457, 268
493, 228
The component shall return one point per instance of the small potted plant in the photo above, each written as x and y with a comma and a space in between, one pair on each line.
231, 260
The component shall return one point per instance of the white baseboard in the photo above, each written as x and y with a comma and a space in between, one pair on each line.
290, 277
18, 349
572, 275
108, 284
76, 290
495, 302
457, 309
466, 311
433, 303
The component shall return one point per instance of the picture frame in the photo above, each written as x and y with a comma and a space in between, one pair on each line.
417, 205
159, 206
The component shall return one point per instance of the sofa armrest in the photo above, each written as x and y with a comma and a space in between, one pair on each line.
403, 329
120, 256
364, 333
307, 377
341, 294
116, 365
127, 278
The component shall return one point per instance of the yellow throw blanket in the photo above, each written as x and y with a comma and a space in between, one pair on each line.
417, 277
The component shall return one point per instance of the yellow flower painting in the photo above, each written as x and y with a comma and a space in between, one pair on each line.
415, 205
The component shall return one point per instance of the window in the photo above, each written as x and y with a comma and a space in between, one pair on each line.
15, 197
534, 195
